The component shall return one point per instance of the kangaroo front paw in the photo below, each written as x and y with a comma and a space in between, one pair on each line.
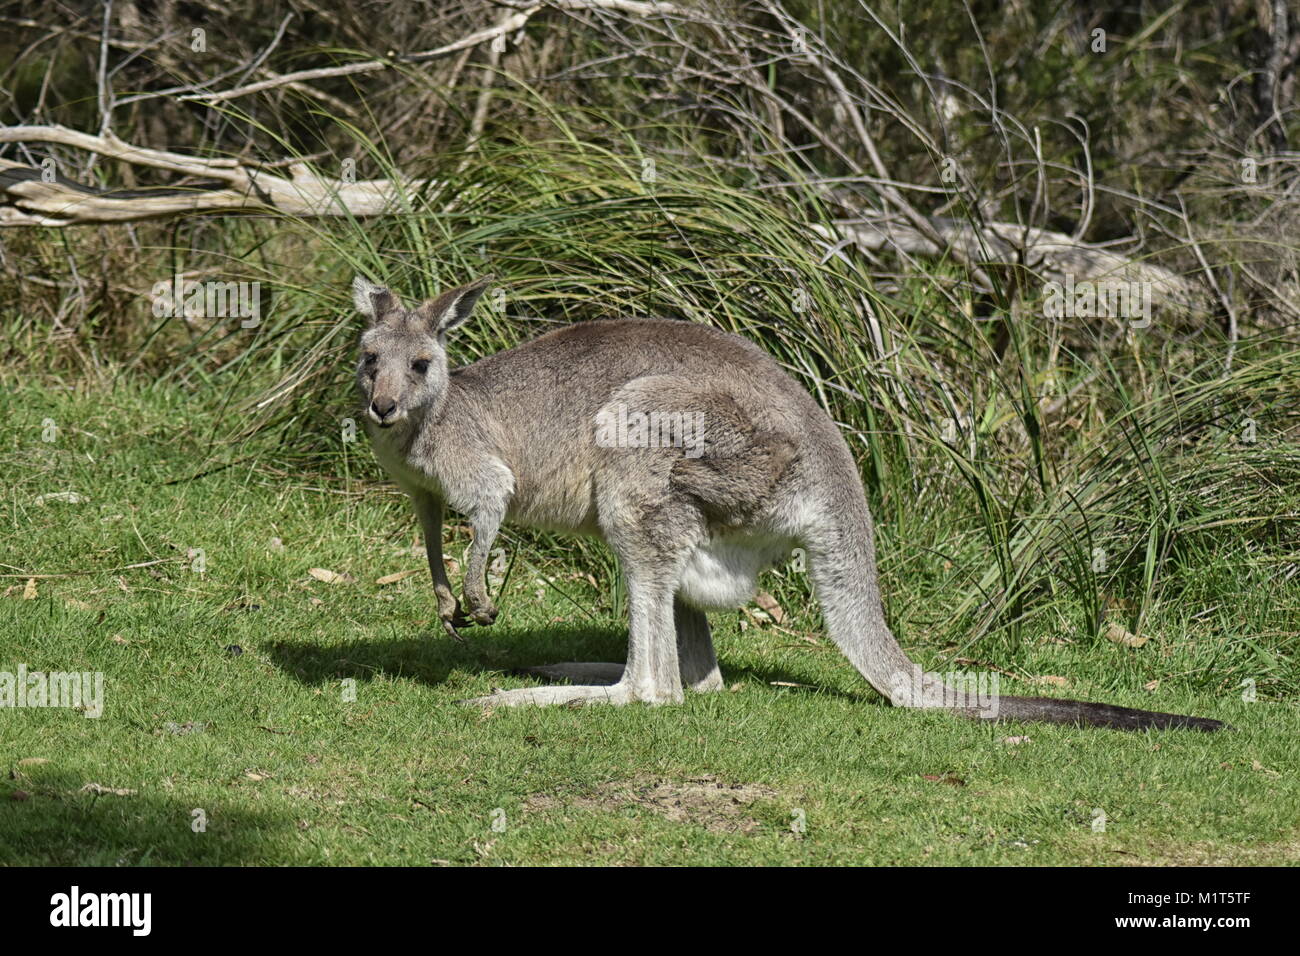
449, 613
481, 611
448, 606
484, 614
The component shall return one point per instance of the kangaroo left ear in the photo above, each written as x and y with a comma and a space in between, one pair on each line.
451, 309
371, 300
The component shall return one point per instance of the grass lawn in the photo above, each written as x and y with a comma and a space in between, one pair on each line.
230, 678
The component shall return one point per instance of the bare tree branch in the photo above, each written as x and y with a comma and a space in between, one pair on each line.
239, 187
507, 26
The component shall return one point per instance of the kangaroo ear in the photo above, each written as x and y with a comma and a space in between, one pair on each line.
371, 300
452, 308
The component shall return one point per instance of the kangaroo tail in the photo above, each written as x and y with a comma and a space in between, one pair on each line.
842, 565
1053, 710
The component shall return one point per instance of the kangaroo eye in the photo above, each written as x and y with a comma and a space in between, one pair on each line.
420, 366
371, 358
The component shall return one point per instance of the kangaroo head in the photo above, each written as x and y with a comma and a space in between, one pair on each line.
403, 364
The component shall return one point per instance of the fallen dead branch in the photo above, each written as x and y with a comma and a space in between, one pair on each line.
1052, 256
34, 198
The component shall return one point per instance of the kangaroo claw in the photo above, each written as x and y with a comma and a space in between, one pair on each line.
483, 614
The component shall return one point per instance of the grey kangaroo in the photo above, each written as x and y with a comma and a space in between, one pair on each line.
688, 450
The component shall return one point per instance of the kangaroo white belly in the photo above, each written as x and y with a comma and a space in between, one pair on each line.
395, 464
723, 572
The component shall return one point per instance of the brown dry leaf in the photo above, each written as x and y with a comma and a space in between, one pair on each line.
770, 605
397, 576
330, 577
119, 639
1015, 740
1121, 635
255, 775
1256, 765
1053, 680
103, 791
1126, 605
29, 589
32, 761
949, 778
1151, 685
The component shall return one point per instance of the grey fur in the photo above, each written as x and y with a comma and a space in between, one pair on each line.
745, 468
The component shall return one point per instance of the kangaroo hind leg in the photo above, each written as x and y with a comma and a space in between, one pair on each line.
696, 661
653, 533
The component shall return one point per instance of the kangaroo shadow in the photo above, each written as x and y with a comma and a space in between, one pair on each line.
432, 658
47, 818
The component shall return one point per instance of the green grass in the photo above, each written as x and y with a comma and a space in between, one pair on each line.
289, 772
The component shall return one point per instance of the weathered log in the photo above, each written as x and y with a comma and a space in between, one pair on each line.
1052, 256
31, 196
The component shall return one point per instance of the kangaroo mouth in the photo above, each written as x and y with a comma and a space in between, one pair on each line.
389, 421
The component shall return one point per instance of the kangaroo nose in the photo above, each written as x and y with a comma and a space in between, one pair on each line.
383, 408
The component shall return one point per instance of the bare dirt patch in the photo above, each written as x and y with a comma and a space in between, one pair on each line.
714, 804
1284, 852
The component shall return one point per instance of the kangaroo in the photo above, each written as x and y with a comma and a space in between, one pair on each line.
688, 450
